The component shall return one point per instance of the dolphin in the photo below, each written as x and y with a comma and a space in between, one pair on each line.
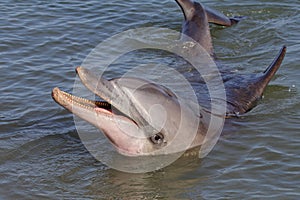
125, 115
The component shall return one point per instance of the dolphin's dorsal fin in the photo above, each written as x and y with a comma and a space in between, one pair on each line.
268, 74
272, 69
243, 92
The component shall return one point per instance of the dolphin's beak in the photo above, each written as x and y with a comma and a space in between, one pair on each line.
98, 113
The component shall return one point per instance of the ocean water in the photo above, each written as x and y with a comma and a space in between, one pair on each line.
41, 154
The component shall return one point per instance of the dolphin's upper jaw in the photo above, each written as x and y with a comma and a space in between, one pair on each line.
99, 108
67, 100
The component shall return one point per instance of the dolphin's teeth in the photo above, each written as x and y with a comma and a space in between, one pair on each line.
85, 103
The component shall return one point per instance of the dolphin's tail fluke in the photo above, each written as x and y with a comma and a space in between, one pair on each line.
189, 9
219, 18
196, 24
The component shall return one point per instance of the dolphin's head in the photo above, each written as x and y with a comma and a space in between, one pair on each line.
139, 117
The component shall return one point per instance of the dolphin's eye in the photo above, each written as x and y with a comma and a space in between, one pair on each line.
157, 138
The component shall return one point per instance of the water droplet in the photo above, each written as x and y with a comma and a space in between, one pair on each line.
293, 89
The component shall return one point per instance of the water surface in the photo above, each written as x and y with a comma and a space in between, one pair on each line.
41, 155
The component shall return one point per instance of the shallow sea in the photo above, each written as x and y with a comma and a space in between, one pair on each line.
41, 155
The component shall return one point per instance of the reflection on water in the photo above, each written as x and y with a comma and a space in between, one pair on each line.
41, 155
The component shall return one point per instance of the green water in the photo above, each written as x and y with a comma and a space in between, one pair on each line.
41, 155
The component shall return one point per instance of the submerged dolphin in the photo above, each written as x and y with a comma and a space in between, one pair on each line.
126, 127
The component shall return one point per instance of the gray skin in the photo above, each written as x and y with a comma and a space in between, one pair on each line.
126, 127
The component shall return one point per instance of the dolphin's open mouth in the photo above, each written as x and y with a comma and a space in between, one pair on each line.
70, 101
111, 107
62, 97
